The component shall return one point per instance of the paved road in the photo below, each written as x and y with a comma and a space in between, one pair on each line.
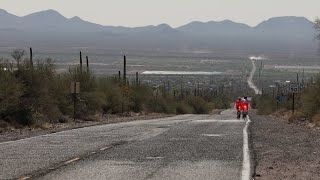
250, 82
180, 147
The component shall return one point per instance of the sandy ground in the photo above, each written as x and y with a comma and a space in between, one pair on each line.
283, 150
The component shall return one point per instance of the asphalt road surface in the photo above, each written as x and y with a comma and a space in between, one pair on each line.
181, 147
250, 82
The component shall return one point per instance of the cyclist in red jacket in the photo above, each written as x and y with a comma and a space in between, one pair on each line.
238, 106
245, 104
238, 103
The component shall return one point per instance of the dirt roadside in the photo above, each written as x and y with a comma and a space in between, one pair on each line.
284, 151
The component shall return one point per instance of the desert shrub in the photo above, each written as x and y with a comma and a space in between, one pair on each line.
221, 102
91, 102
60, 90
140, 95
113, 99
158, 105
3, 125
316, 119
297, 116
310, 100
198, 104
19, 116
183, 108
34, 93
266, 105
11, 90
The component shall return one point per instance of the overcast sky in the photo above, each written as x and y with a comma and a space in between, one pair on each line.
173, 12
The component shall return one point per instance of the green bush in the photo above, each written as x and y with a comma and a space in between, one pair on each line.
34, 93
310, 100
198, 104
183, 108
140, 94
266, 105
11, 90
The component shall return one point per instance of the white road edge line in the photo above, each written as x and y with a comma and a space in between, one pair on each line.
102, 149
245, 173
71, 161
24, 178
154, 157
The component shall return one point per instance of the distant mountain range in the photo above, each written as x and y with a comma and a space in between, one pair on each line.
51, 29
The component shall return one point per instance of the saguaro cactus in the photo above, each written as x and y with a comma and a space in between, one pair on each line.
31, 60
124, 69
80, 61
137, 78
87, 58
31, 65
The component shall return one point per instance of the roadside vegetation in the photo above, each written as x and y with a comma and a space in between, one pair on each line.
32, 92
307, 102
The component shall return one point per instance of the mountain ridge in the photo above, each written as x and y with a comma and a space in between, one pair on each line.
50, 27
54, 13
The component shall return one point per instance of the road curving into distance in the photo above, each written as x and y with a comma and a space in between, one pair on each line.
250, 79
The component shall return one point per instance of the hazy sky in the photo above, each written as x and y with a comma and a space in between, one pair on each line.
173, 12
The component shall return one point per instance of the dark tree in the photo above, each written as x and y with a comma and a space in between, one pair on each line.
17, 55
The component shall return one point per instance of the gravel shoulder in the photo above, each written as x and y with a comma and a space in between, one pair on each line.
283, 150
